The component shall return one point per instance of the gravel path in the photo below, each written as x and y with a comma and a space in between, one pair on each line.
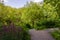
40, 34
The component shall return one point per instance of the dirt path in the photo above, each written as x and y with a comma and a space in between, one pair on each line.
40, 35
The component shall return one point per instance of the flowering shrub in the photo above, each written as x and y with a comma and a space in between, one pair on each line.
12, 32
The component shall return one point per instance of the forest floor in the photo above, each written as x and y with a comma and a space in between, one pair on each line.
41, 34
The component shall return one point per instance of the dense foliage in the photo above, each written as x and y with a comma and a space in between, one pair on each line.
37, 15
32, 15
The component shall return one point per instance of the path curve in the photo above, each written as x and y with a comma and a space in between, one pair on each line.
40, 35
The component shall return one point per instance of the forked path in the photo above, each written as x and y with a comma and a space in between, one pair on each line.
40, 35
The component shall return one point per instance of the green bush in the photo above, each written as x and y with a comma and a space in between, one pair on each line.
49, 24
56, 35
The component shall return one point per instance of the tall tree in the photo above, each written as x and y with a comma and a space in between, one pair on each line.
55, 3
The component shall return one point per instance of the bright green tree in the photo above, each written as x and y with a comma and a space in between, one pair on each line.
55, 3
35, 13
